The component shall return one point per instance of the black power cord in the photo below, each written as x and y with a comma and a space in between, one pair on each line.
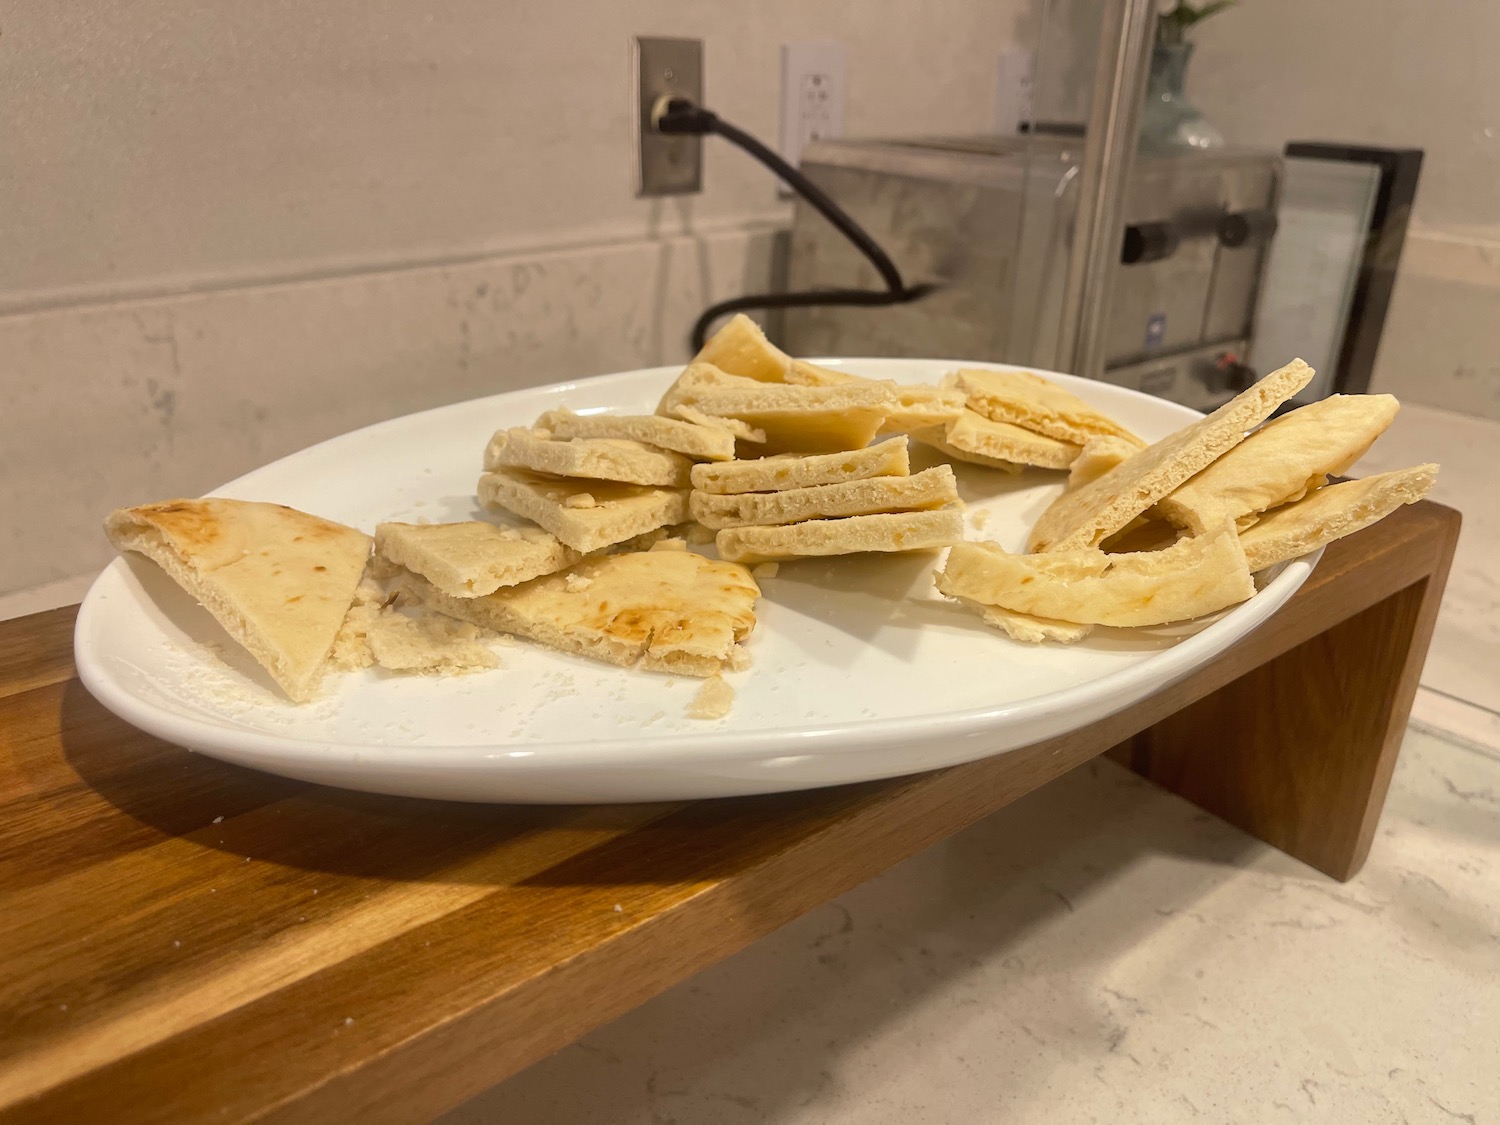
678, 116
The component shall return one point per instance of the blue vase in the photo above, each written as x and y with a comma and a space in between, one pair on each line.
1169, 120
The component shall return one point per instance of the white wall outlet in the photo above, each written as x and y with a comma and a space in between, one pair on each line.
812, 95
1013, 91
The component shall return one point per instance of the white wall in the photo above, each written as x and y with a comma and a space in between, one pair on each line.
230, 230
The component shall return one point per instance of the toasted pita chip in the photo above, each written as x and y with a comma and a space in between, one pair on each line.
613, 512
934, 437
1191, 578
743, 431
1281, 461
701, 443
890, 458
741, 348
278, 580
469, 559
795, 419
1088, 515
1027, 400
901, 531
933, 488
976, 435
1331, 513
917, 404
617, 459
1098, 456
671, 611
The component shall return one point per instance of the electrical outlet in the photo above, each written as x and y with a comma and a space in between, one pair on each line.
812, 96
1013, 91
666, 165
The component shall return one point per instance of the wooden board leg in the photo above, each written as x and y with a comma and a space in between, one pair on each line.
1299, 752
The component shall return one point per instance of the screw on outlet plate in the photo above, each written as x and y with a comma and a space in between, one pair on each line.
666, 165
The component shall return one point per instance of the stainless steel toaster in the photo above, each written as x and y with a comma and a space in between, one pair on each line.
991, 218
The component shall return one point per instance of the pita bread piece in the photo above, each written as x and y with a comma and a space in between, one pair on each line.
1036, 404
891, 458
1281, 461
632, 462
935, 437
586, 515
671, 611
278, 580
1331, 513
977, 436
1098, 456
795, 419
917, 404
1191, 578
933, 488
901, 531
701, 443
741, 430
1088, 515
466, 560
741, 348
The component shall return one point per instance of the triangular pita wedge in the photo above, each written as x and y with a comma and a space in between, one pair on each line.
701, 443
671, 611
977, 436
795, 418
1028, 400
901, 531
889, 458
934, 488
1281, 461
917, 404
1331, 513
620, 459
1098, 456
1191, 578
741, 348
466, 560
1088, 515
280, 581
935, 437
586, 515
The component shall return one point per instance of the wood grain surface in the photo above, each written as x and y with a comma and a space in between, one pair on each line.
183, 940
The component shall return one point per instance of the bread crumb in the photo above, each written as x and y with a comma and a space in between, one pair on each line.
981, 517
668, 545
577, 582
714, 700
765, 569
739, 659
697, 534
580, 500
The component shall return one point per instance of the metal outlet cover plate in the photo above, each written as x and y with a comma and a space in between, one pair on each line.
666, 165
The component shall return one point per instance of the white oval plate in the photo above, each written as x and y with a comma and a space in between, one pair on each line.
860, 670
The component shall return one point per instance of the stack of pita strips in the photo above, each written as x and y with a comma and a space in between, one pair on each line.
813, 485
1175, 531
598, 486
